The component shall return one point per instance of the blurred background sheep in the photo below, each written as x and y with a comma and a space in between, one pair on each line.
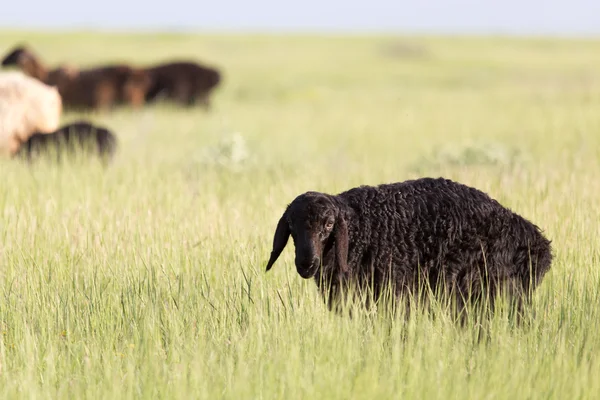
181, 82
26, 106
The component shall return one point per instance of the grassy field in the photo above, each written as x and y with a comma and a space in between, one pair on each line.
146, 280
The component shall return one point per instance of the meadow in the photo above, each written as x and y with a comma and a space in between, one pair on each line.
146, 279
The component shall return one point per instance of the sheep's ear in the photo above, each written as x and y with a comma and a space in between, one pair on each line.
341, 243
282, 234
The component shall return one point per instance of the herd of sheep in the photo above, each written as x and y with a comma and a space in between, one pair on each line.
33, 100
415, 237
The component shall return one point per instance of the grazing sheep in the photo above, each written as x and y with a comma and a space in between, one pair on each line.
437, 232
79, 137
184, 82
87, 89
100, 88
26, 106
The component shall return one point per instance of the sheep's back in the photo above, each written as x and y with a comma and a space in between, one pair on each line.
26, 106
169, 75
438, 226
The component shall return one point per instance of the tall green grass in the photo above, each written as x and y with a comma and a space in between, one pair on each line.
146, 280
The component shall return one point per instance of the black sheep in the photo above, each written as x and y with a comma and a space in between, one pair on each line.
183, 82
425, 231
79, 137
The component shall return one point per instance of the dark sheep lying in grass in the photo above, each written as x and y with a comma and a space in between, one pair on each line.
77, 138
86, 89
183, 82
453, 238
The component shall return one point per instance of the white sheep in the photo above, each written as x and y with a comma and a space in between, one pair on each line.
27, 106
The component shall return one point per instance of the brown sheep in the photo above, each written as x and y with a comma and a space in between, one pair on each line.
184, 82
100, 88
92, 88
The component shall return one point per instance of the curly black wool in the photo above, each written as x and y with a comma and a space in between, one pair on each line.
452, 237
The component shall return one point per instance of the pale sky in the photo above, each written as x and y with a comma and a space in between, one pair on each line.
573, 17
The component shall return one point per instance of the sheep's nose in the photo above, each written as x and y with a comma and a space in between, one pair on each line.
307, 269
308, 263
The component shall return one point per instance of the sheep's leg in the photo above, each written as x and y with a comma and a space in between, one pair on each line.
471, 293
511, 290
479, 292
134, 96
183, 94
136, 99
105, 97
14, 144
204, 100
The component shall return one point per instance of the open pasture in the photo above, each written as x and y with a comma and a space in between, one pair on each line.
146, 279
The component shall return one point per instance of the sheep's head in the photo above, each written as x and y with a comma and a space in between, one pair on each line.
26, 60
313, 220
15, 55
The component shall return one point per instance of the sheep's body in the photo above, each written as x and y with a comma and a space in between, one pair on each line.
438, 229
79, 137
26, 106
431, 231
183, 82
101, 87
